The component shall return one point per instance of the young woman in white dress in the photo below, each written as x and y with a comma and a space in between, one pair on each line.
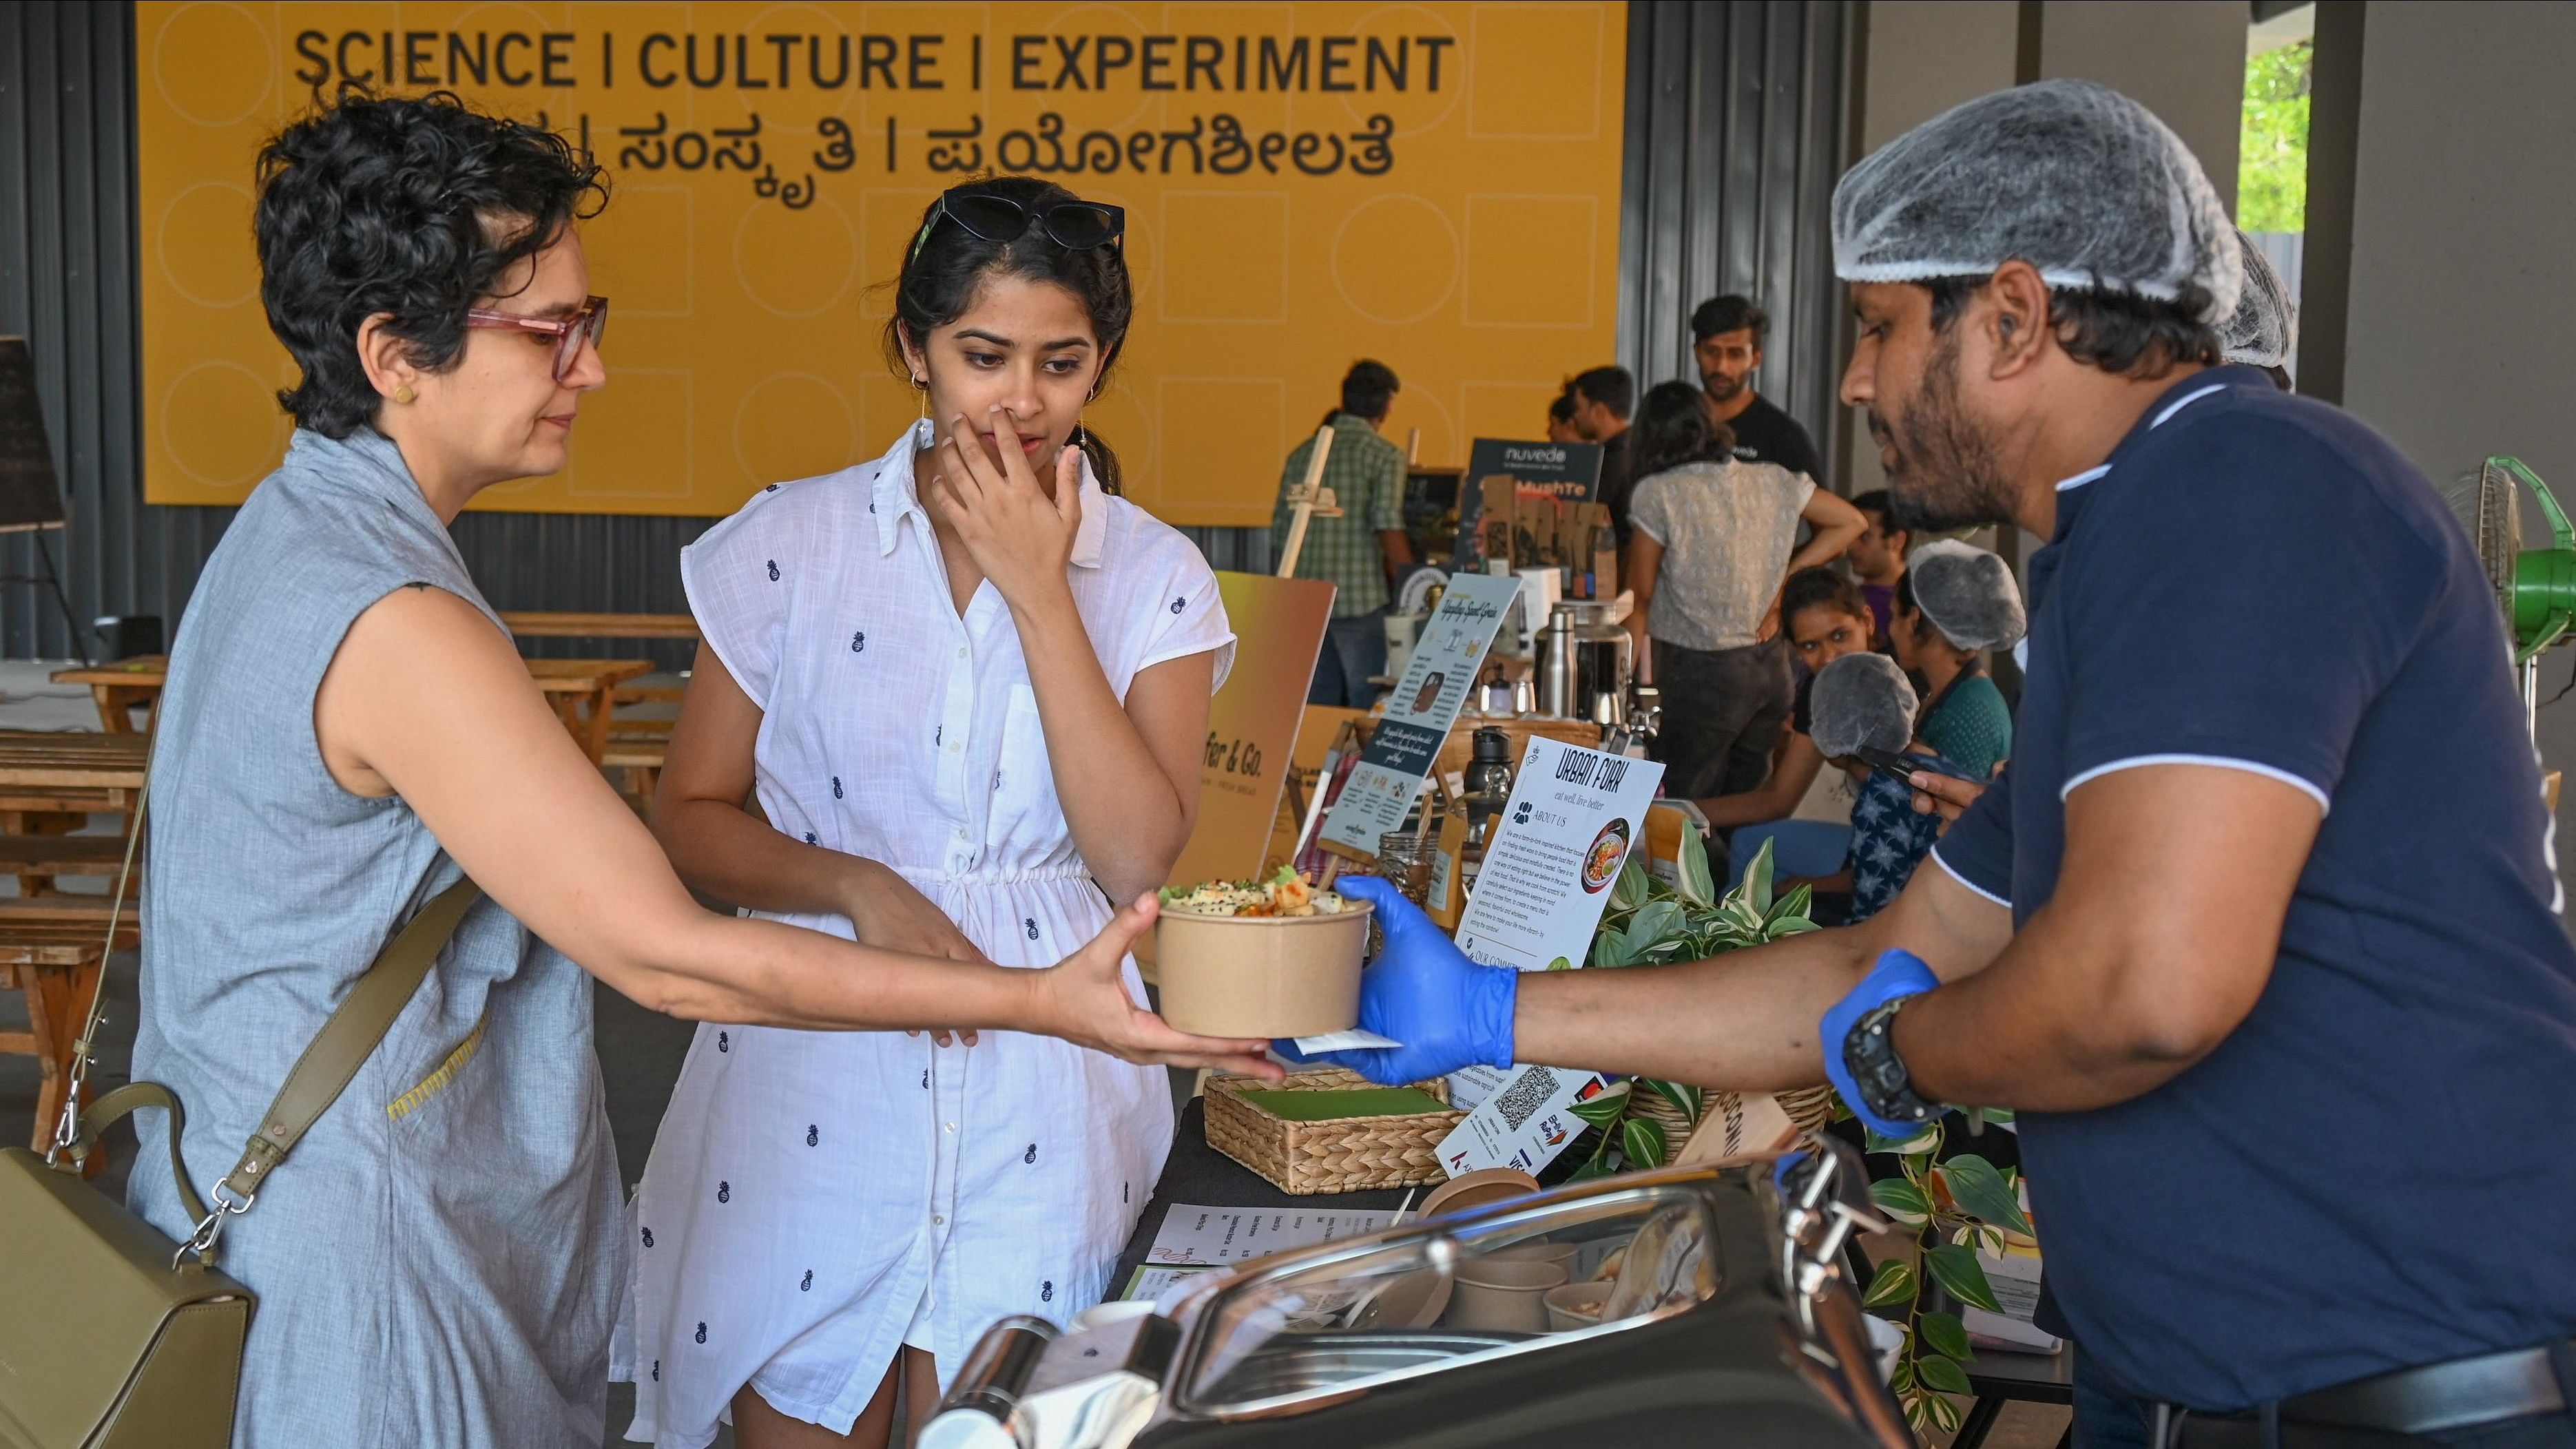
967, 687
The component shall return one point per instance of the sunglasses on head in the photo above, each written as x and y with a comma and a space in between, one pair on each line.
1074, 225
587, 324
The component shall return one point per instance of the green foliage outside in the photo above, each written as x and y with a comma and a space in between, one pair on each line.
2272, 162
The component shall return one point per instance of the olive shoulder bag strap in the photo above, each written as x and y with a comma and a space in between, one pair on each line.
115, 1337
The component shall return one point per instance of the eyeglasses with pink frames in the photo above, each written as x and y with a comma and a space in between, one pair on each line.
588, 324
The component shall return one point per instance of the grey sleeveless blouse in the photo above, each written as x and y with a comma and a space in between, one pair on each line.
435, 1262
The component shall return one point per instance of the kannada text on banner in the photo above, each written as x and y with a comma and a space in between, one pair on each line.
1433, 185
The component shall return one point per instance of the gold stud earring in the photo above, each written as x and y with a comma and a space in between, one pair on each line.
404, 394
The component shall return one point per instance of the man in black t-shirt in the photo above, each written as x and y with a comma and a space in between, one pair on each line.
1603, 398
1726, 343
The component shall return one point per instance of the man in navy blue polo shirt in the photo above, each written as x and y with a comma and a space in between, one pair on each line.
2259, 930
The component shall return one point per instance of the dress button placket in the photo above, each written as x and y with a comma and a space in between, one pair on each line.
957, 725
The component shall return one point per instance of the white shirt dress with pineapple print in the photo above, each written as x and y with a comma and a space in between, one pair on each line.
816, 1199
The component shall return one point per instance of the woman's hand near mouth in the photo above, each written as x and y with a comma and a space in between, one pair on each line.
1021, 539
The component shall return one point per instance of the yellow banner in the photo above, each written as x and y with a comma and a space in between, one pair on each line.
1434, 185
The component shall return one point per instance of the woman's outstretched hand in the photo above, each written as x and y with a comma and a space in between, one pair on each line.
1019, 537
1084, 1000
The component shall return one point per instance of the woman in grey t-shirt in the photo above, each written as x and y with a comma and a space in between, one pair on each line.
1713, 540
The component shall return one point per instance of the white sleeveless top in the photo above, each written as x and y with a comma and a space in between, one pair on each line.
815, 1198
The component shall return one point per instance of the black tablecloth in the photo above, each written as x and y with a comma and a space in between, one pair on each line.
1199, 1174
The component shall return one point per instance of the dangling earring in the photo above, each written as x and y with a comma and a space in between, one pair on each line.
404, 394
922, 386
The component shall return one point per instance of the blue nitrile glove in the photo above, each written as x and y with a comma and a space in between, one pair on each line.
1422, 991
1898, 973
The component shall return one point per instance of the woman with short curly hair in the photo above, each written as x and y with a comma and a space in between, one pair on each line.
347, 732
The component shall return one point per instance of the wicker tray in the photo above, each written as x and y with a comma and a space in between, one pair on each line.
1343, 1154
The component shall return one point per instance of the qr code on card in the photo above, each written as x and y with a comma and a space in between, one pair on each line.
1526, 1095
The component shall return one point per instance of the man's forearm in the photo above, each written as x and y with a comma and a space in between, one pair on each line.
1740, 1022
1396, 548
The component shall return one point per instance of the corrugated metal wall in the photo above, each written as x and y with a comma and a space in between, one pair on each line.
1734, 136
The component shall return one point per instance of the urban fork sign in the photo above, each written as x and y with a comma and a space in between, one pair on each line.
1434, 185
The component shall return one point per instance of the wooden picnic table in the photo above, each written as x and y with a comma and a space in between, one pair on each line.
51, 782
121, 686
535, 625
582, 692
52, 947
101, 770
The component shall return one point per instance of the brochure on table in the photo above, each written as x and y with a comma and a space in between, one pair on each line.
1216, 1237
1572, 819
1426, 702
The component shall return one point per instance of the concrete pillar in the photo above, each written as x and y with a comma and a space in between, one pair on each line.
2182, 59
1920, 59
2464, 197
2449, 331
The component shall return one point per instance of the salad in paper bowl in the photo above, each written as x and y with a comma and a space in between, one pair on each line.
1285, 893
1276, 958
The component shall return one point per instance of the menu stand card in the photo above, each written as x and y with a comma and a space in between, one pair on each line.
1402, 749
1573, 818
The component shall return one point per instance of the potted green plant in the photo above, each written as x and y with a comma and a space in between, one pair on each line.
1953, 1208
1642, 1123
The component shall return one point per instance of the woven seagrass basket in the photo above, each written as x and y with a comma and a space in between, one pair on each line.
1809, 1109
1341, 1154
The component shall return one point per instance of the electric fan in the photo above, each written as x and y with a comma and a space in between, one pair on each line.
2535, 588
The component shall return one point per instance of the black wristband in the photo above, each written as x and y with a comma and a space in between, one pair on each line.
1886, 1088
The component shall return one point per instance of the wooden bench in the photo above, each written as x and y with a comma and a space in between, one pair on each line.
55, 965
60, 908
529, 624
639, 763
47, 856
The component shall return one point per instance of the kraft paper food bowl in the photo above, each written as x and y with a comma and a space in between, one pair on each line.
1470, 1190
1575, 1306
1506, 1294
1277, 976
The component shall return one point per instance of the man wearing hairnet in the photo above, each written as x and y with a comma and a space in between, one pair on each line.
2259, 931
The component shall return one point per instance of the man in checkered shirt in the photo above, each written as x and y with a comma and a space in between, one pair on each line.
1359, 550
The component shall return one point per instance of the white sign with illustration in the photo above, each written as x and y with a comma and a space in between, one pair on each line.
1573, 817
1426, 702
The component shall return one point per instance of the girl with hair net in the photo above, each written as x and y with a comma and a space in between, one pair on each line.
1864, 701
1954, 602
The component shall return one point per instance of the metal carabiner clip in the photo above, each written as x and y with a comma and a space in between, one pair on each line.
203, 1240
